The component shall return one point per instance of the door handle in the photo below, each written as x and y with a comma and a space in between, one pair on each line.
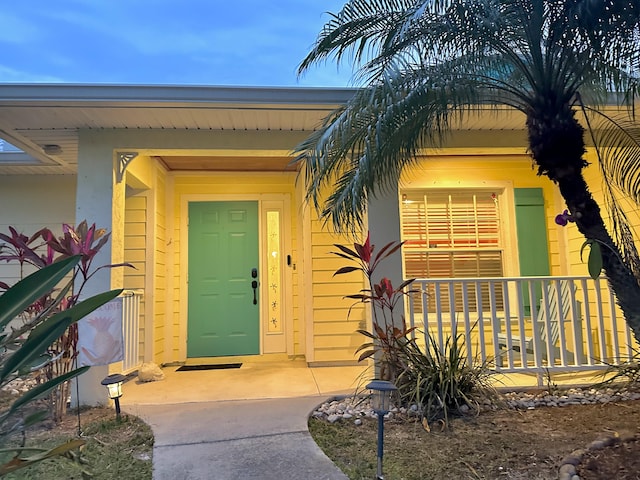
254, 285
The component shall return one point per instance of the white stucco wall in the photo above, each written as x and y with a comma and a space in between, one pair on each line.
31, 202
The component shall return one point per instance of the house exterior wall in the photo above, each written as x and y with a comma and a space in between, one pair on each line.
564, 243
135, 253
324, 322
163, 344
335, 318
100, 199
31, 202
135, 239
333, 337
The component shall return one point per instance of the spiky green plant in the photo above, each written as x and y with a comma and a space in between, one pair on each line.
441, 381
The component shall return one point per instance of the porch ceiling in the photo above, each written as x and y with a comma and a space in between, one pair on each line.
227, 164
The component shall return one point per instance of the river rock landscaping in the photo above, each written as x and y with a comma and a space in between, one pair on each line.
584, 434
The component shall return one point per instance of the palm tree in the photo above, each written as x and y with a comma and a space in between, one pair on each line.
425, 64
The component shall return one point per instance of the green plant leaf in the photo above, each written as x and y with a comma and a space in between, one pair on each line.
584, 245
346, 270
15, 300
359, 296
367, 354
366, 333
594, 261
594, 264
350, 254
405, 283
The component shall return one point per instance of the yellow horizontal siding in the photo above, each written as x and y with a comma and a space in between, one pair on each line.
135, 282
338, 326
336, 354
134, 255
136, 243
334, 313
135, 214
135, 231
337, 291
159, 290
335, 321
343, 341
132, 229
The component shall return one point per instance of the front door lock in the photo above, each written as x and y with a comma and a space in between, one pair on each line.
254, 285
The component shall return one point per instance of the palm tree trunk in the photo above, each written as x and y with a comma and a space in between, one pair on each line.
557, 144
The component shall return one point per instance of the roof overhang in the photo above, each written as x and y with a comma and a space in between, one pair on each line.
44, 120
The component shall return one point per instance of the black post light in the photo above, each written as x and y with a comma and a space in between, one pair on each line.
381, 391
114, 386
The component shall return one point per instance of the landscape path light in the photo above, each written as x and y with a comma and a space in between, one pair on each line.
114, 386
381, 391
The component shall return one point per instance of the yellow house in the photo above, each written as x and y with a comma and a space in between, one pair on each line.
197, 188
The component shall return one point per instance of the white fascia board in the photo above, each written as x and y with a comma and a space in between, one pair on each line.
136, 95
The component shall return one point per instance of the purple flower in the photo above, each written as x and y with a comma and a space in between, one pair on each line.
564, 218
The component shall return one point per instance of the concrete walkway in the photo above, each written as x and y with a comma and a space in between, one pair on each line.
201, 433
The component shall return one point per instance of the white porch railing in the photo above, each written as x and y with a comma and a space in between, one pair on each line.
131, 300
525, 324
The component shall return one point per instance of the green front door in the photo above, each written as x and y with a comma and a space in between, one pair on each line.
223, 262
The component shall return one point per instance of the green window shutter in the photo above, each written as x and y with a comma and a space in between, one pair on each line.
533, 249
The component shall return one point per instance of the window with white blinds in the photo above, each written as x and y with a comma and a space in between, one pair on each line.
451, 234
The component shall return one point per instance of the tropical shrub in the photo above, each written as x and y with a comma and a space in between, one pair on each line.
389, 329
25, 348
36, 252
439, 380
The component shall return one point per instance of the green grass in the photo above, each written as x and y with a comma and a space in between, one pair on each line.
113, 450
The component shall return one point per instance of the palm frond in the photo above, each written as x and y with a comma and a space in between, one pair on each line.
363, 146
358, 28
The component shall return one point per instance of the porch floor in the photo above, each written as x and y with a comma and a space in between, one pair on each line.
251, 381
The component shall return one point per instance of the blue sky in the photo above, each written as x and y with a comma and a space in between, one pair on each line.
196, 42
